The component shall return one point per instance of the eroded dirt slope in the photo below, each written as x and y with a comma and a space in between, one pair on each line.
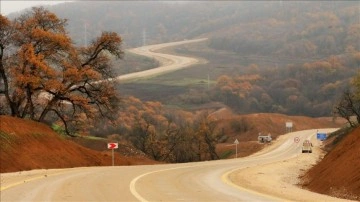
26, 145
338, 173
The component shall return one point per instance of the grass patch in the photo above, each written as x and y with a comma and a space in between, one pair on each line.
90, 137
6, 140
58, 129
226, 154
180, 82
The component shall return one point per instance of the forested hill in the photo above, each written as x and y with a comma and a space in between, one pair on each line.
291, 57
279, 28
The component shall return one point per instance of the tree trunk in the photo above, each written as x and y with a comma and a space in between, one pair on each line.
13, 108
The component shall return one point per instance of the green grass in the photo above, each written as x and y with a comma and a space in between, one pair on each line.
58, 129
89, 137
226, 154
6, 140
182, 82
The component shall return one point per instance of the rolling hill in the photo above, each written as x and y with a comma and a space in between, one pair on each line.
304, 52
27, 145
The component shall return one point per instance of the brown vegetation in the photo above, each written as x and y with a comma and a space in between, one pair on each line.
46, 77
26, 145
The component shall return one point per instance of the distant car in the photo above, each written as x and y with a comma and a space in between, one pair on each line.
307, 147
264, 138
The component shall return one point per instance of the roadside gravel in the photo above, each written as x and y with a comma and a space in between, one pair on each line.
281, 179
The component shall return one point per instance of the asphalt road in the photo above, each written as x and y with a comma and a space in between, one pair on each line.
202, 181
168, 62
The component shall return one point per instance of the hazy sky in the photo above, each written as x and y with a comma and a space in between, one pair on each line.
9, 6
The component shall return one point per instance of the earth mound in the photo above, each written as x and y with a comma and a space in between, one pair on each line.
337, 174
27, 145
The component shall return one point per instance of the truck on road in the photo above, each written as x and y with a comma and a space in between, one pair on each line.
306, 147
264, 138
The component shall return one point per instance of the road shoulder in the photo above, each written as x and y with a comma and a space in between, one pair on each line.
281, 179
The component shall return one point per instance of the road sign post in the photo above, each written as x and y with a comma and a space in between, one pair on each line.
289, 126
112, 146
321, 136
112, 157
236, 143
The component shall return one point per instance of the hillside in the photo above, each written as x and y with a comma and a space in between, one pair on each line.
27, 145
245, 128
291, 47
337, 174
284, 28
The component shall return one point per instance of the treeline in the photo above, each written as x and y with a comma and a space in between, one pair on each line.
275, 27
46, 78
309, 89
163, 134
293, 29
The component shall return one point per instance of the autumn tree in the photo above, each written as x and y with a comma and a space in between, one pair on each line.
206, 135
349, 104
47, 76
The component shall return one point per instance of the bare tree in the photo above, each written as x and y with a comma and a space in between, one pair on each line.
348, 107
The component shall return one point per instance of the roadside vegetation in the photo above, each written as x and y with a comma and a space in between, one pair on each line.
47, 62
46, 78
293, 58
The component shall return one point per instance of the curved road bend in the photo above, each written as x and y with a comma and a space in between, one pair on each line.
202, 181
168, 63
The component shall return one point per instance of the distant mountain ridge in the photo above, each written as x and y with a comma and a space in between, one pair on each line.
304, 53
281, 27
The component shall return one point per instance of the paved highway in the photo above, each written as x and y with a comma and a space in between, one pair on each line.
168, 63
202, 181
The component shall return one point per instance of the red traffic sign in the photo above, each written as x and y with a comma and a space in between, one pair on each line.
113, 145
296, 139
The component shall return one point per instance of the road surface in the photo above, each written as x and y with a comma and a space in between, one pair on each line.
168, 63
202, 181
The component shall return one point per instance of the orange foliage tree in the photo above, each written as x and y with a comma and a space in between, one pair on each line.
45, 76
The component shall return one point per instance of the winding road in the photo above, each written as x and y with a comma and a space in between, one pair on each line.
168, 63
202, 181
221, 180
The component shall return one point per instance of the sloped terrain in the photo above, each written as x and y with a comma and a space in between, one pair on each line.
26, 145
337, 174
245, 128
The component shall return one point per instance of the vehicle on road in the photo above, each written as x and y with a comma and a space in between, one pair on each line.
306, 147
264, 138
